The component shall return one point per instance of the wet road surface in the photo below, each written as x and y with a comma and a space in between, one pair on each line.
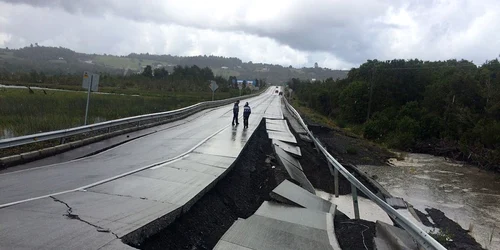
464, 193
153, 180
155, 148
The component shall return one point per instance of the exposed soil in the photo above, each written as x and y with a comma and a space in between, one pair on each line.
247, 185
475, 155
238, 195
461, 238
317, 171
351, 233
424, 218
349, 148
354, 234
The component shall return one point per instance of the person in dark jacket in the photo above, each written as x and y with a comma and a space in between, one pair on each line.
246, 113
236, 110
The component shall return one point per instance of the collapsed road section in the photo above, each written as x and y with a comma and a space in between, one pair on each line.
255, 188
133, 205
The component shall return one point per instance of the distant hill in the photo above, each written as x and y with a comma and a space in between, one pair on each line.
53, 60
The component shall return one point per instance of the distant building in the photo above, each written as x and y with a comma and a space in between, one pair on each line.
224, 67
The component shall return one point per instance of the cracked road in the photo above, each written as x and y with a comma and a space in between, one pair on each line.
157, 147
126, 192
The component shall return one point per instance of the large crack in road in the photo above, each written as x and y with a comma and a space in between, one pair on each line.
72, 216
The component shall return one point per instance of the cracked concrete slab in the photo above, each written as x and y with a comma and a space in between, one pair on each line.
133, 206
289, 148
278, 125
153, 189
116, 245
290, 193
47, 229
292, 214
99, 215
282, 136
259, 232
71, 215
294, 169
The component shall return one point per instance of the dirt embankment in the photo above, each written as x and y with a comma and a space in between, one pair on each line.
348, 231
238, 195
351, 233
460, 238
350, 149
476, 155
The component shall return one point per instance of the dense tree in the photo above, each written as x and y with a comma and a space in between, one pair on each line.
160, 73
148, 72
451, 104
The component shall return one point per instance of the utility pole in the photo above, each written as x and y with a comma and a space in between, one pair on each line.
88, 98
371, 94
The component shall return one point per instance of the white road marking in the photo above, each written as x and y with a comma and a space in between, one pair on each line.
83, 188
117, 176
170, 162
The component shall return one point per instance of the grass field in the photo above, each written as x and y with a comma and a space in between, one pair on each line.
22, 113
123, 63
7, 55
226, 73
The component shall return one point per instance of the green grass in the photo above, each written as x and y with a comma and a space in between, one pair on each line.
352, 150
123, 63
226, 73
313, 115
200, 96
58, 61
7, 55
440, 236
22, 113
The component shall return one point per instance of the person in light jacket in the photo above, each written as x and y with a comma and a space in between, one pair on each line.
236, 110
246, 113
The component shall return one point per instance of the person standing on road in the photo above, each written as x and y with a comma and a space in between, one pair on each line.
246, 113
236, 110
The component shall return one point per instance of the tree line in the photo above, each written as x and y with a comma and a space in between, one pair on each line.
181, 79
449, 108
59, 60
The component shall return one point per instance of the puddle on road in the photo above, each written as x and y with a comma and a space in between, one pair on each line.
465, 194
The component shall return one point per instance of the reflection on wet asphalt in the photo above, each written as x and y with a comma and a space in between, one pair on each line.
464, 193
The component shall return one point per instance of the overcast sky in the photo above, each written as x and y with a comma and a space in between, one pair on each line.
337, 34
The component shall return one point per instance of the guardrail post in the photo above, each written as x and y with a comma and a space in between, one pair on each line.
354, 192
336, 182
62, 140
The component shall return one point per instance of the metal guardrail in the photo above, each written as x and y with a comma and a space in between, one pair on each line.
61, 134
419, 235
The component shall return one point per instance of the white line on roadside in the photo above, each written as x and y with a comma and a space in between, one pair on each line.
83, 188
182, 122
168, 163
118, 176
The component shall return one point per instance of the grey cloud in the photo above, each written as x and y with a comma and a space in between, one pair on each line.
328, 26
351, 30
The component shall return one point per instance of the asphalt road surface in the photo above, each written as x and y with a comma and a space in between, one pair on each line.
168, 143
